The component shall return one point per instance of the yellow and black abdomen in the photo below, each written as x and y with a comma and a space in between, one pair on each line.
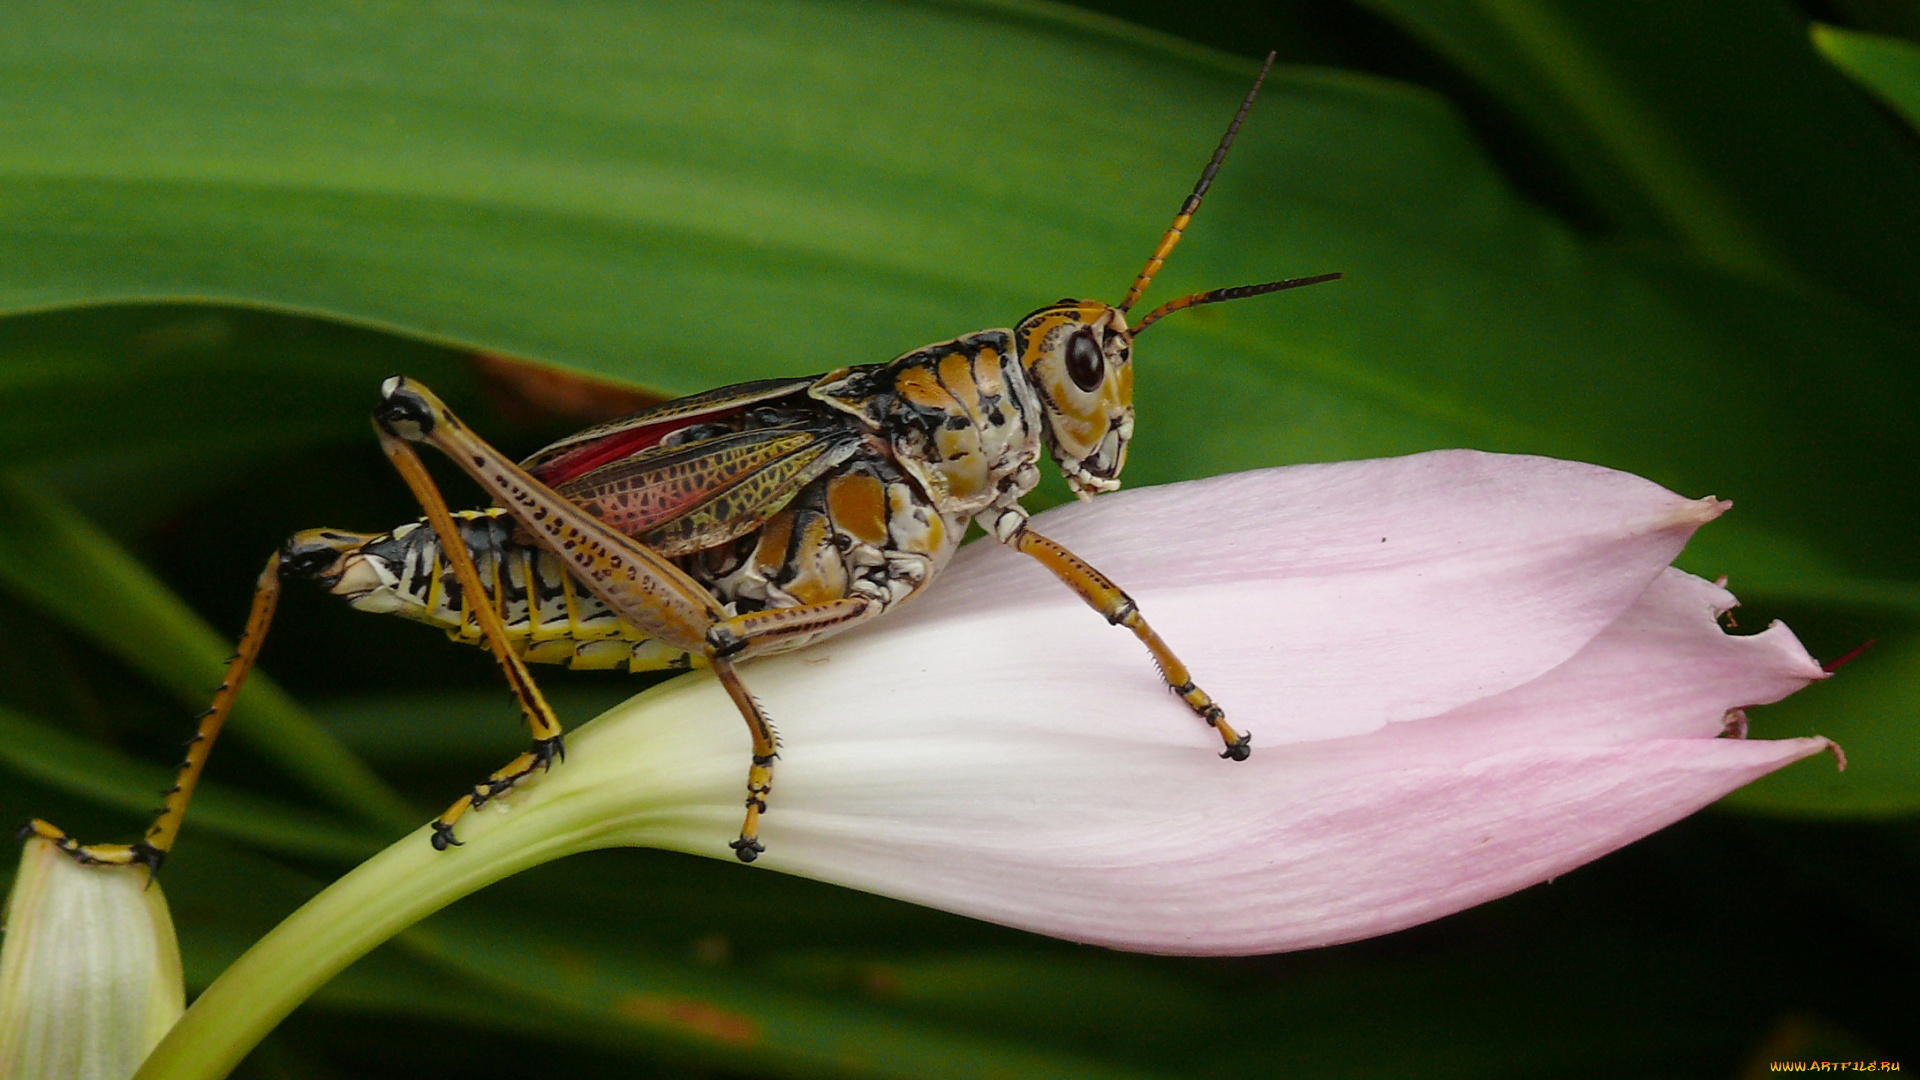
867, 529
550, 618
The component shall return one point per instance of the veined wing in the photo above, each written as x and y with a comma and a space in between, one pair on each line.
585, 451
705, 492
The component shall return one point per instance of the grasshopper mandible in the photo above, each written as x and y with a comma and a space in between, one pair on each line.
746, 520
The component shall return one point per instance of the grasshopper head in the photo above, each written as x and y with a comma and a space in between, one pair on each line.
1078, 354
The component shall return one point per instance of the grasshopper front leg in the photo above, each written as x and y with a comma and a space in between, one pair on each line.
1102, 595
640, 585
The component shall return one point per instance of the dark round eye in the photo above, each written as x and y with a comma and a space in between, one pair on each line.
1086, 366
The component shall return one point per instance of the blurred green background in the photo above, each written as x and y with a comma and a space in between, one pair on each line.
1673, 237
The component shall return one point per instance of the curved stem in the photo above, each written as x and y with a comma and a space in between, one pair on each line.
376, 900
633, 781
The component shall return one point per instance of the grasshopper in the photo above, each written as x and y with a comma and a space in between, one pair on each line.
742, 521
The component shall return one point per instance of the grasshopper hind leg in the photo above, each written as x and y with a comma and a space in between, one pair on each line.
540, 717
544, 753
644, 587
152, 848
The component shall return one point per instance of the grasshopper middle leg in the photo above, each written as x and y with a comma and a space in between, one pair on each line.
758, 631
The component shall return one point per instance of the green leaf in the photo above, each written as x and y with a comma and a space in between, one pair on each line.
1888, 67
217, 385
59, 561
619, 215
1706, 122
440, 726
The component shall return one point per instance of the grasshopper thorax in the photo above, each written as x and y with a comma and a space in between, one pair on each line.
1078, 357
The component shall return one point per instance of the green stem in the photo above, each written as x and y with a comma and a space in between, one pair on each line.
378, 899
627, 786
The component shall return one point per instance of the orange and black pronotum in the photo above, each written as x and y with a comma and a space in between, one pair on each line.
746, 520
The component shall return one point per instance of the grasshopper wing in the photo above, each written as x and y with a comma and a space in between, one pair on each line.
700, 471
705, 492
584, 451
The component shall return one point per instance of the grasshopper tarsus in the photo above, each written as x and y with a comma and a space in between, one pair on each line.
145, 854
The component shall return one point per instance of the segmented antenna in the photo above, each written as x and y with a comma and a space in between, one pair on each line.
1232, 292
1192, 204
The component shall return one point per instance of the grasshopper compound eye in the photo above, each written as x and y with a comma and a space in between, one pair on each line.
1086, 365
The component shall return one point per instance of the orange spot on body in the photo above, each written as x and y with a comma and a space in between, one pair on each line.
820, 576
771, 552
987, 374
859, 505
956, 371
917, 385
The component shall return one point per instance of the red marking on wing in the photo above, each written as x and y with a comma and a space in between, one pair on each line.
579, 462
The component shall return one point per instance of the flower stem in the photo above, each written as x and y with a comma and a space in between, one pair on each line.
634, 781
376, 900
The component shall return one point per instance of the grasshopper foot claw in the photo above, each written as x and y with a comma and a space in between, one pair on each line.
1239, 749
145, 854
747, 850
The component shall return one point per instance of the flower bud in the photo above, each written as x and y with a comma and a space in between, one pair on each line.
89, 973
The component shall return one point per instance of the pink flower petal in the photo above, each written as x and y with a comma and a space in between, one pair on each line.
1309, 843
1003, 753
1663, 670
1320, 592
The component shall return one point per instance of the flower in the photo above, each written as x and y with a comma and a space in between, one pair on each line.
90, 973
1464, 673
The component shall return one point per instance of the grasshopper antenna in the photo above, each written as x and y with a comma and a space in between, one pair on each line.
1234, 292
1188, 208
